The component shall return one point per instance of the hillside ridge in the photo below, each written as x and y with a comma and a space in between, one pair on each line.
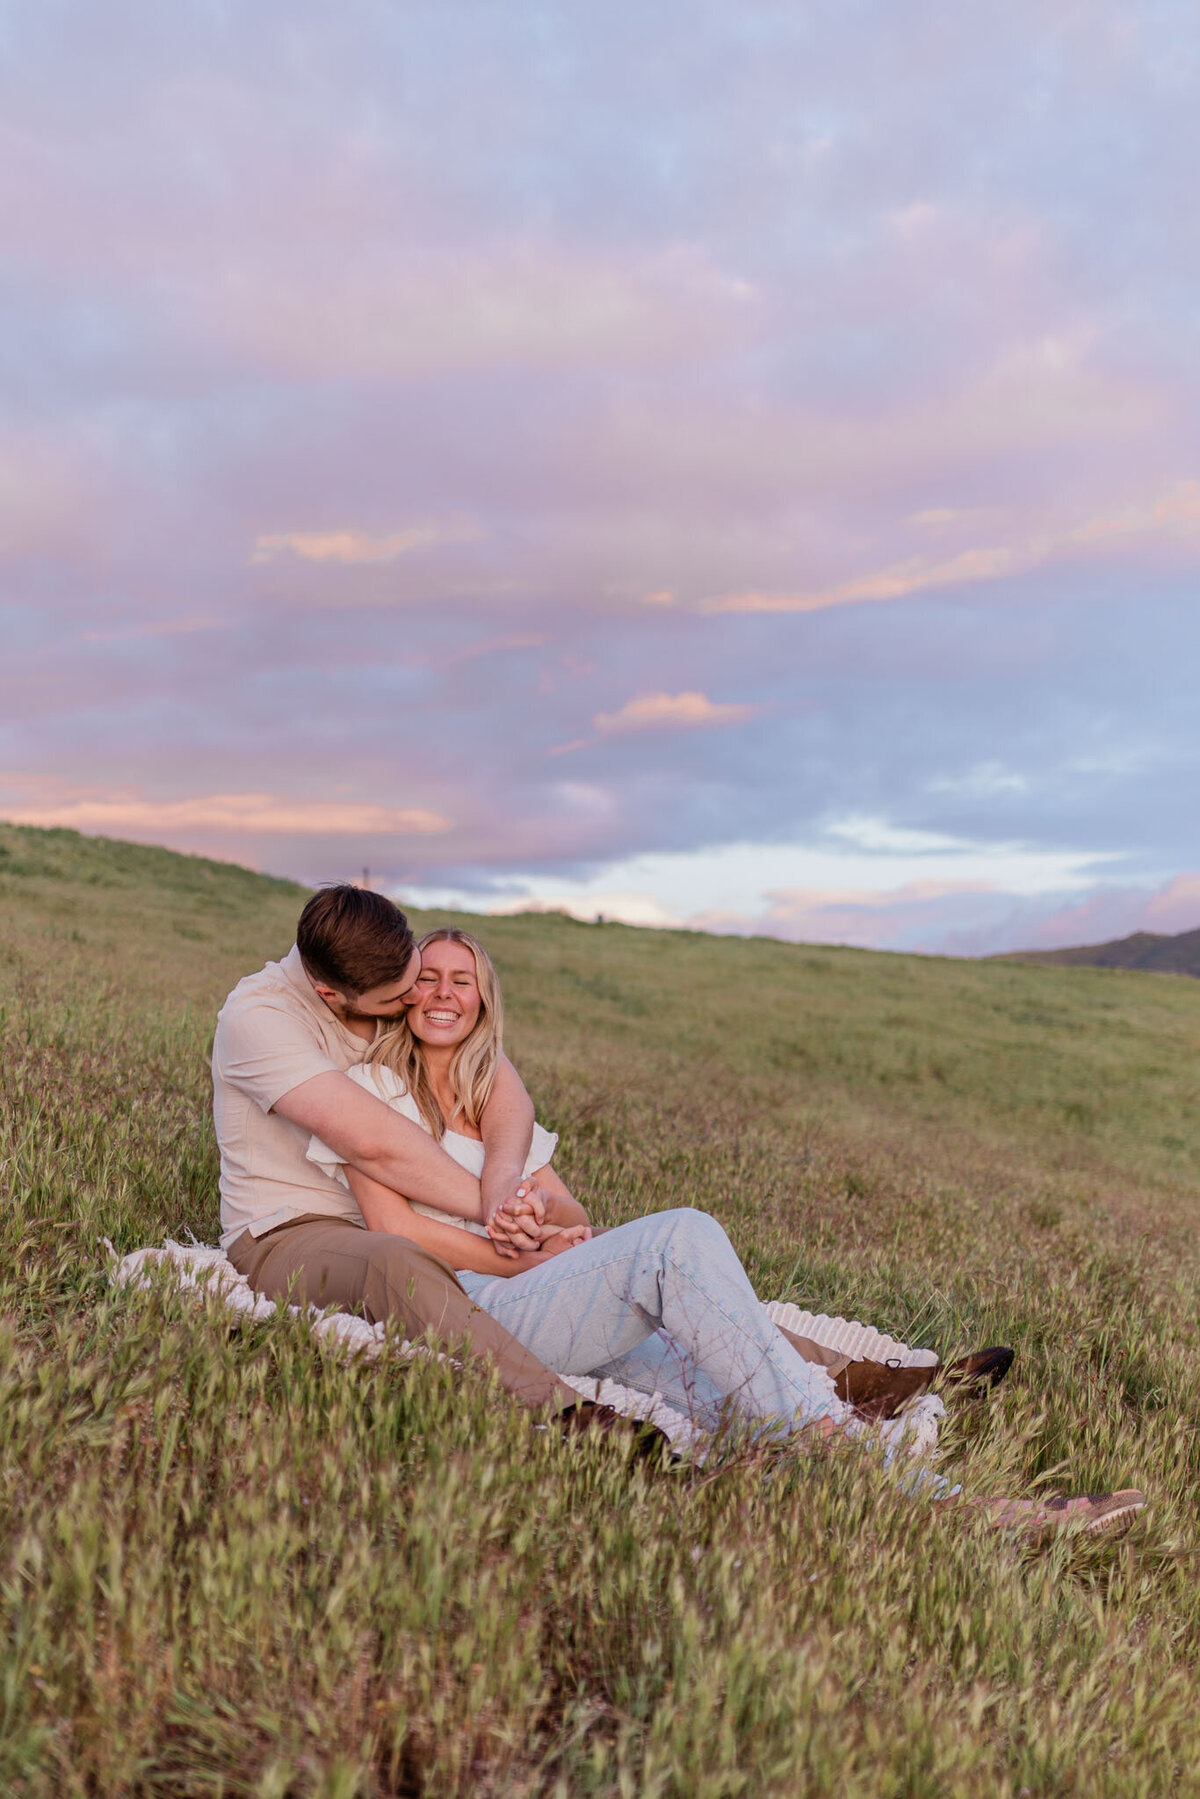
1144, 952
57, 852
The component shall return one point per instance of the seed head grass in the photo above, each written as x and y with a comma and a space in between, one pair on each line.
235, 1563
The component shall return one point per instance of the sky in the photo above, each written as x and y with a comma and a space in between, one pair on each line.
733, 464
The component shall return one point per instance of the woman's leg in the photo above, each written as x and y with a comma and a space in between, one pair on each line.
586, 1309
661, 1366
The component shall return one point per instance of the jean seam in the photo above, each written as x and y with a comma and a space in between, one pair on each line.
710, 1299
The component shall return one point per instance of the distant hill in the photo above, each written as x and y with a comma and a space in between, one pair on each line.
1144, 950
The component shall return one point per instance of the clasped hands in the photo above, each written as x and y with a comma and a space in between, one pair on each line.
520, 1224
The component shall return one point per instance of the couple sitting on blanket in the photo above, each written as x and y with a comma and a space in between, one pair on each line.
379, 1154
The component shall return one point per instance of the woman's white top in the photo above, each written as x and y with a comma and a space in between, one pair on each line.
466, 1151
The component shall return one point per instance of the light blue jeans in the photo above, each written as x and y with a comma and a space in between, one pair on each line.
663, 1305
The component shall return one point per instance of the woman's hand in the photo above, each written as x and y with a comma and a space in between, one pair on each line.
539, 1207
564, 1236
519, 1224
522, 1225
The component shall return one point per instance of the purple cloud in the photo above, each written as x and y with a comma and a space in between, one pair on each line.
794, 414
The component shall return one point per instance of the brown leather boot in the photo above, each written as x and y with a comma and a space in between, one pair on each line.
985, 1368
877, 1390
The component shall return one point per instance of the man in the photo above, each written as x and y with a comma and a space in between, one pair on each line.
284, 1040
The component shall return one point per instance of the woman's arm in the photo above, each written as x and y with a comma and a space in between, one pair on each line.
385, 1210
561, 1207
506, 1127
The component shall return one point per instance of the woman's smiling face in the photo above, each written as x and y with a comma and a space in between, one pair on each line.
447, 1000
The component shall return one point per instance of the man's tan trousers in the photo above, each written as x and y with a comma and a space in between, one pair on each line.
330, 1262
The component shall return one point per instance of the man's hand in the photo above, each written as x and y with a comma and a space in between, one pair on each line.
546, 1239
520, 1222
524, 1223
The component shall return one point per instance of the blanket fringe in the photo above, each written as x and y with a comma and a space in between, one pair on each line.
205, 1271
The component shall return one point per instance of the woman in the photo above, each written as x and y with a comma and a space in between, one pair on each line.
662, 1304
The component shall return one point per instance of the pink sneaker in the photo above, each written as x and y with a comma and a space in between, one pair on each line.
1091, 1514
1095, 1514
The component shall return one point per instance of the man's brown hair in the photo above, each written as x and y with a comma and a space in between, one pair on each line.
353, 939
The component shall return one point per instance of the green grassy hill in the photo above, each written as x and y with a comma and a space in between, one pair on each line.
230, 1565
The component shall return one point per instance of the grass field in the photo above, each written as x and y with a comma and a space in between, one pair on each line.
230, 1564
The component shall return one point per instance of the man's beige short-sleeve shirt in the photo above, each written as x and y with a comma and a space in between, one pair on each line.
273, 1033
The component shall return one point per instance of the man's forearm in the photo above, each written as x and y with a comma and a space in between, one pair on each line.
367, 1134
507, 1131
433, 1178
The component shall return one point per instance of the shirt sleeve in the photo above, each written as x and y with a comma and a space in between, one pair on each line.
378, 1080
264, 1051
541, 1149
328, 1159
381, 1082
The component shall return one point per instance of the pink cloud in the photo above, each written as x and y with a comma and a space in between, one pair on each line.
358, 546
658, 711
963, 918
257, 813
888, 584
492, 646
648, 710
1175, 907
1113, 912
167, 627
1173, 515
868, 920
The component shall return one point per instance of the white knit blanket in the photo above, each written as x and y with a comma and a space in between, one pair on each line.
199, 1269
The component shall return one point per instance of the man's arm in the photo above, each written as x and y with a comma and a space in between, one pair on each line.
384, 1210
367, 1134
507, 1131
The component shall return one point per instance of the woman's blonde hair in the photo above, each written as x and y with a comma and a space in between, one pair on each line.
474, 1063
